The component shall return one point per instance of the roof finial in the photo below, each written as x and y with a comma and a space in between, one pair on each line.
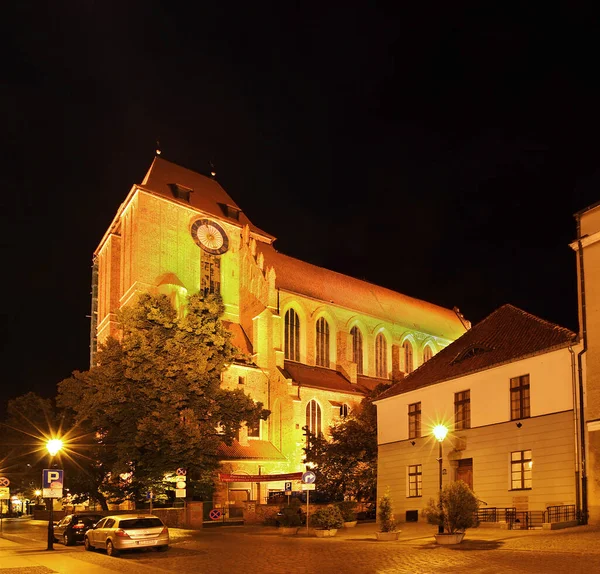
213, 173
158, 147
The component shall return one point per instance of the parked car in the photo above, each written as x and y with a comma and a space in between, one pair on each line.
72, 528
126, 532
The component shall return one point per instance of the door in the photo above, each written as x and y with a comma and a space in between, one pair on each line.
465, 471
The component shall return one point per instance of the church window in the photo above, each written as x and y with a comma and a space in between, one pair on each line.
427, 353
380, 356
292, 336
313, 417
408, 357
322, 343
357, 349
210, 280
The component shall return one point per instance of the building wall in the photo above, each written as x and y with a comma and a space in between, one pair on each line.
590, 239
550, 437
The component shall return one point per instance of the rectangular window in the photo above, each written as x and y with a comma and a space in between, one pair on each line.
415, 480
210, 276
414, 420
241, 380
254, 431
462, 410
519, 398
521, 464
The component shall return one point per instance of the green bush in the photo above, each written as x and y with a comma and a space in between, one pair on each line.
458, 510
327, 518
291, 515
348, 510
385, 513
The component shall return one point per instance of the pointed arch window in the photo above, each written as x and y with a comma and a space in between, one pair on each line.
210, 276
427, 353
408, 357
381, 356
357, 349
292, 335
313, 417
322, 343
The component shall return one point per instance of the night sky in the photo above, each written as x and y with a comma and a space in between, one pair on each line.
441, 154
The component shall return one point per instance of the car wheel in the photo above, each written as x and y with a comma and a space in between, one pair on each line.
86, 543
110, 549
162, 548
67, 541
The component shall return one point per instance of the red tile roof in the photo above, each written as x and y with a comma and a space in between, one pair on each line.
334, 288
255, 450
320, 378
508, 334
207, 194
239, 339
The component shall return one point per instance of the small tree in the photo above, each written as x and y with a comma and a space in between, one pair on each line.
327, 518
385, 513
348, 510
457, 511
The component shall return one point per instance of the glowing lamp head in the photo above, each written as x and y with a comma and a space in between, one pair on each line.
440, 432
54, 445
38, 493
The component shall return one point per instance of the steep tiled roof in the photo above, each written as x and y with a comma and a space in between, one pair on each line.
255, 450
239, 338
322, 284
506, 335
207, 195
320, 378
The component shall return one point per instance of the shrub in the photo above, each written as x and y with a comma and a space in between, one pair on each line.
327, 518
290, 516
458, 509
348, 510
385, 513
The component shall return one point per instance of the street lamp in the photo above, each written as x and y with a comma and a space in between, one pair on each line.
53, 446
440, 431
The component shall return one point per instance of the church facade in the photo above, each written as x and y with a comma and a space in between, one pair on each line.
317, 340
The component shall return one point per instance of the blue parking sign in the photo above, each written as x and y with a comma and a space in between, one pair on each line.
52, 482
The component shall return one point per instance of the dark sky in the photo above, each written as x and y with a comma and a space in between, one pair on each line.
441, 154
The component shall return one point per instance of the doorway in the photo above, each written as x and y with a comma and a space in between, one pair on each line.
464, 471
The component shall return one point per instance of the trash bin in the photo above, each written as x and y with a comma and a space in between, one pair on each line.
412, 516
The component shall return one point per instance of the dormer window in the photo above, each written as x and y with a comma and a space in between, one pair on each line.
468, 353
181, 192
230, 211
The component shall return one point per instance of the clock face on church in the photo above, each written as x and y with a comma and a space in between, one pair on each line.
210, 236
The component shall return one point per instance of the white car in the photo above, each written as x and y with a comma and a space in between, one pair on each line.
126, 532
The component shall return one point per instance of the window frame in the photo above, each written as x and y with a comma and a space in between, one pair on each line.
381, 369
415, 480
314, 417
427, 353
462, 410
322, 343
292, 335
521, 478
520, 397
408, 357
357, 349
414, 420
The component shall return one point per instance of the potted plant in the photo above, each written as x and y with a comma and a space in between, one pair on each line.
289, 518
386, 518
453, 512
348, 510
326, 521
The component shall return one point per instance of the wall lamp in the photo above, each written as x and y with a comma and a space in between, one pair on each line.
519, 425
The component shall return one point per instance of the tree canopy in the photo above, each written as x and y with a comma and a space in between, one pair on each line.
154, 402
346, 465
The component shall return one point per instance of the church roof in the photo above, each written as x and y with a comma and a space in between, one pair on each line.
507, 335
305, 279
164, 177
254, 450
321, 378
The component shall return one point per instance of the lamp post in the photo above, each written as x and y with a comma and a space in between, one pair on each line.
440, 432
52, 446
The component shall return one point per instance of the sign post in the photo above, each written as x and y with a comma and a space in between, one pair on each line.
308, 482
4, 495
52, 486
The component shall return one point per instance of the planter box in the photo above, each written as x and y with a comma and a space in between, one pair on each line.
325, 533
350, 524
387, 536
289, 530
449, 538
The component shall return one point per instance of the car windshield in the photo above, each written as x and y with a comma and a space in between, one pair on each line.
88, 520
132, 524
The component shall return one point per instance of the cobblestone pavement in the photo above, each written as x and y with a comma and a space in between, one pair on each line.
356, 551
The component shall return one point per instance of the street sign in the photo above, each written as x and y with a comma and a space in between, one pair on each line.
215, 514
309, 477
309, 486
181, 472
4, 481
180, 493
288, 487
4, 493
180, 484
52, 483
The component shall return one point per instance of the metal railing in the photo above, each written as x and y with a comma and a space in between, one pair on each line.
562, 513
527, 519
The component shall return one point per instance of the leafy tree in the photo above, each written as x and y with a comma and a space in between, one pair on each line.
154, 402
347, 464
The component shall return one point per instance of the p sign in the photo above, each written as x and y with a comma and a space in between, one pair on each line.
52, 483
